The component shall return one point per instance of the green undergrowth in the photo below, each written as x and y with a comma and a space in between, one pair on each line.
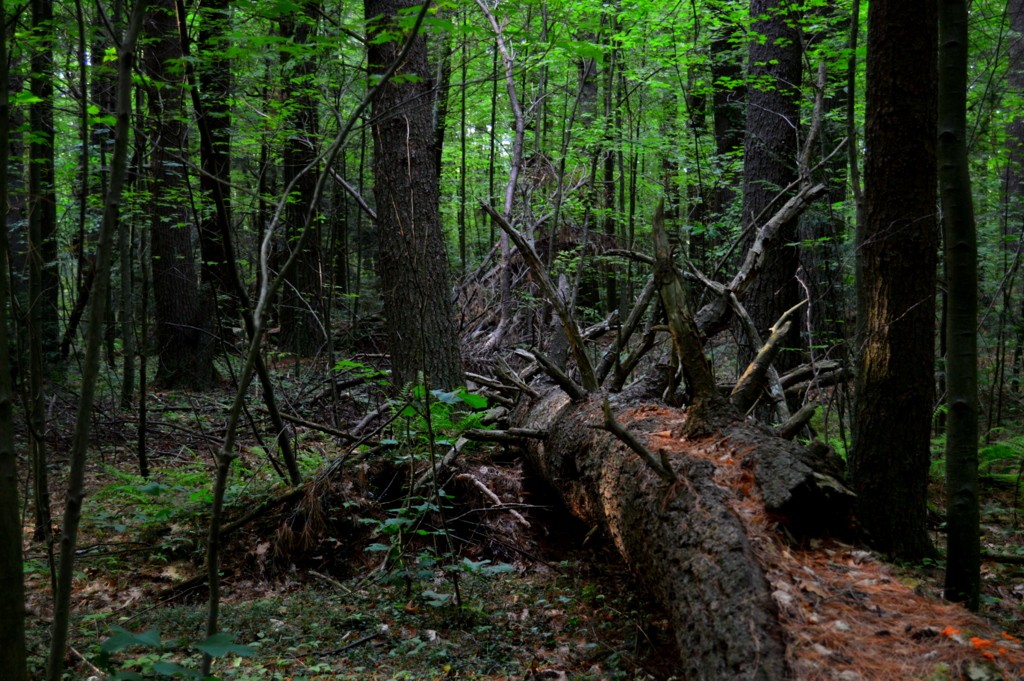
508, 627
168, 511
418, 600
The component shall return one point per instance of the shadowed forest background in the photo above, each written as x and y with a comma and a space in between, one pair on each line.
546, 340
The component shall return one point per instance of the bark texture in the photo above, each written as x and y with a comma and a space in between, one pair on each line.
413, 263
897, 249
689, 542
184, 346
214, 121
770, 152
963, 555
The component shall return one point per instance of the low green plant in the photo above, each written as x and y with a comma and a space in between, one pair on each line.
439, 415
155, 658
414, 534
169, 508
1000, 462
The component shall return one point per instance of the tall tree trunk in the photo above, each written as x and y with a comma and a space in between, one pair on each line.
770, 153
896, 260
214, 70
184, 344
12, 596
42, 204
44, 270
302, 297
1013, 181
963, 555
90, 365
413, 262
727, 107
612, 136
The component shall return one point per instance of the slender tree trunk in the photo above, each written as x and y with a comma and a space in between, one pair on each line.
103, 87
610, 219
42, 256
463, 133
1013, 182
94, 340
963, 554
821, 231
896, 292
413, 263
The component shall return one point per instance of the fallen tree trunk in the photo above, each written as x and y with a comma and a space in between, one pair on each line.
690, 542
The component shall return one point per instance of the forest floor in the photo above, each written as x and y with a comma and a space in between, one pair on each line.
358, 581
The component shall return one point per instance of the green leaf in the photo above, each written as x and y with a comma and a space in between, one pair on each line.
472, 400
153, 488
222, 644
25, 97
446, 397
176, 670
122, 638
435, 599
499, 568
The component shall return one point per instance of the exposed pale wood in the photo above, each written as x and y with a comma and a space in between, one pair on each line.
760, 372
713, 316
495, 499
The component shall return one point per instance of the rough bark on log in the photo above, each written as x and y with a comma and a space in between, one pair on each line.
689, 542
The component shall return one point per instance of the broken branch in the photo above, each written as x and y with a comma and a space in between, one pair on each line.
615, 428
572, 332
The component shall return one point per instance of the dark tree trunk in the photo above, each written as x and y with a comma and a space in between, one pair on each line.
42, 204
1013, 182
214, 70
16, 212
12, 596
413, 262
770, 153
184, 344
963, 555
44, 267
613, 134
302, 296
727, 107
896, 259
